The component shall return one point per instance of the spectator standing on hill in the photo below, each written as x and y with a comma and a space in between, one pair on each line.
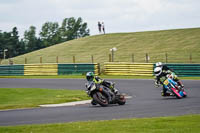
103, 27
99, 26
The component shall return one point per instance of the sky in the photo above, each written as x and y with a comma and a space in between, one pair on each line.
118, 15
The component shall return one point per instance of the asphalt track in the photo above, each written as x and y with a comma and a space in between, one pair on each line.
146, 101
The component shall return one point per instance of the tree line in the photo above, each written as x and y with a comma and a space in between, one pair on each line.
51, 33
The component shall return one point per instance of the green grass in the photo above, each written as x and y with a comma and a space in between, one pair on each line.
176, 124
179, 44
12, 98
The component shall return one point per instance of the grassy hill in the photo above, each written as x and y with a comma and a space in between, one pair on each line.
179, 44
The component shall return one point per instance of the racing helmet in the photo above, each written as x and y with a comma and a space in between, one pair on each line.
89, 76
157, 71
159, 64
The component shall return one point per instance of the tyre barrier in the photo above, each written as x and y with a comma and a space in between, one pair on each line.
49, 69
110, 68
127, 68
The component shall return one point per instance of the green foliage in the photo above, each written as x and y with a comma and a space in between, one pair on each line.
50, 34
70, 29
73, 29
10, 41
30, 39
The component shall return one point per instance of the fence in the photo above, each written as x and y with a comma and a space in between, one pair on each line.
167, 57
158, 57
48, 69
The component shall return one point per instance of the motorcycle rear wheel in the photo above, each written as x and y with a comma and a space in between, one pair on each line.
121, 100
185, 94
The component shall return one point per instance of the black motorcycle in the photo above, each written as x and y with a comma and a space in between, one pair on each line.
103, 96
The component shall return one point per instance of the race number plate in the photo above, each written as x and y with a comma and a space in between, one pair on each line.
166, 82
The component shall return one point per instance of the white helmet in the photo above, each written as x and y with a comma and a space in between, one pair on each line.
157, 71
159, 64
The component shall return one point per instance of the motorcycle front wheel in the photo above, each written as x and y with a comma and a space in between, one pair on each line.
99, 98
176, 93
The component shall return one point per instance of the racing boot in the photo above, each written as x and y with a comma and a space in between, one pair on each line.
93, 102
116, 91
113, 89
164, 93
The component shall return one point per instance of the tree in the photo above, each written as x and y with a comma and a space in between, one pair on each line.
6, 43
30, 39
10, 41
73, 29
1, 45
70, 29
16, 45
50, 34
21, 49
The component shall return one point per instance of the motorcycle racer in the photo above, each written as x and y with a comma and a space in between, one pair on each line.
161, 76
166, 69
91, 77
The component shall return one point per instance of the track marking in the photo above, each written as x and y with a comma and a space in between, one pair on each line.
73, 103
67, 104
